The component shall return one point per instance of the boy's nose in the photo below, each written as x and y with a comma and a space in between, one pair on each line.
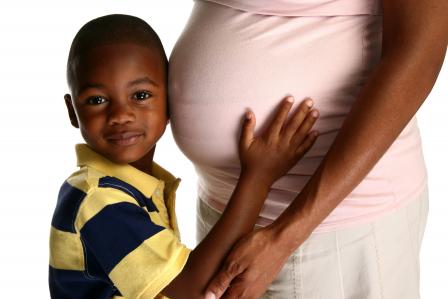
120, 114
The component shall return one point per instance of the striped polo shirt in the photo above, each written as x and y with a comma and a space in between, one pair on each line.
114, 232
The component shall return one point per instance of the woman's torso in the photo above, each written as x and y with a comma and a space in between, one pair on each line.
228, 60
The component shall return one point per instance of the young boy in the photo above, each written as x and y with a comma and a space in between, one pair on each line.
114, 232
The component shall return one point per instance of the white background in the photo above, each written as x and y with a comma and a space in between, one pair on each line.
37, 141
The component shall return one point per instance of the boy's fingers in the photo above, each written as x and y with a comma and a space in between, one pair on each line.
297, 119
305, 127
247, 132
281, 116
307, 143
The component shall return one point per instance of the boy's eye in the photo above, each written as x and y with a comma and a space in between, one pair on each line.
142, 95
96, 100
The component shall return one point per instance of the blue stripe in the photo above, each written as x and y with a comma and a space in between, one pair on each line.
93, 268
143, 201
69, 284
116, 231
69, 199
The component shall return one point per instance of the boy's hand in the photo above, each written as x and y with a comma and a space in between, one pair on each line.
281, 145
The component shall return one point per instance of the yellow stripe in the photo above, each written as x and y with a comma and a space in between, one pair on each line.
150, 267
79, 180
66, 252
142, 181
96, 200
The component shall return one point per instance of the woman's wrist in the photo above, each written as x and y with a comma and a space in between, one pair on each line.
277, 238
290, 231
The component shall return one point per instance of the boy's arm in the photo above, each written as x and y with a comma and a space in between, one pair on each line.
263, 160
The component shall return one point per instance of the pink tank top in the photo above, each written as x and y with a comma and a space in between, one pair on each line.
235, 55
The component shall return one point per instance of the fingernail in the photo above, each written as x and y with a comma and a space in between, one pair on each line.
290, 99
309, 102
248, 115
314, 113
210, 295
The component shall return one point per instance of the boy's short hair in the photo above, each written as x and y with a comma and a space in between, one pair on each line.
112, 29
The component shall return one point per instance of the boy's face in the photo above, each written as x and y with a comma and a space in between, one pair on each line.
119, 101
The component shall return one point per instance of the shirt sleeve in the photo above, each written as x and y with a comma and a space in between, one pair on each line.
139, 256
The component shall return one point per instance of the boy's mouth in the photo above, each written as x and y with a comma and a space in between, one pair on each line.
125, 138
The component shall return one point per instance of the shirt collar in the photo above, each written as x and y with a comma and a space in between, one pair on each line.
127, 173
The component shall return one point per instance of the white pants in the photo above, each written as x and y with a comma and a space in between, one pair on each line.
379, 259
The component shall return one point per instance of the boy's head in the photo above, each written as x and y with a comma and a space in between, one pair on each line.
117, 74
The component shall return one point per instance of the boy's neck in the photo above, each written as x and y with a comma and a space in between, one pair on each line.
145, 163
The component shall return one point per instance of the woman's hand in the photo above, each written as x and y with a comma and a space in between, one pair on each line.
249, 269
281, 145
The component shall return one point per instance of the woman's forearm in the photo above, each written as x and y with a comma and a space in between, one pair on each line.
389, 99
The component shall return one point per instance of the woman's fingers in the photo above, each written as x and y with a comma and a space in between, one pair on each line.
250, 267
297, 119
280, 118
247, 132
222, 280
305, 127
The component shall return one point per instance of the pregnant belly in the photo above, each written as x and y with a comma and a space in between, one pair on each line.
227, 61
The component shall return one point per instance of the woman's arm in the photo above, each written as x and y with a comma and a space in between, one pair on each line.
415, 36
263, 160
414, 44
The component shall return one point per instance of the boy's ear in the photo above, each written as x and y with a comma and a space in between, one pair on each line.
71, 111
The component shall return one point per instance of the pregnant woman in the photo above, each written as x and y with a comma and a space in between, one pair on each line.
347, 221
